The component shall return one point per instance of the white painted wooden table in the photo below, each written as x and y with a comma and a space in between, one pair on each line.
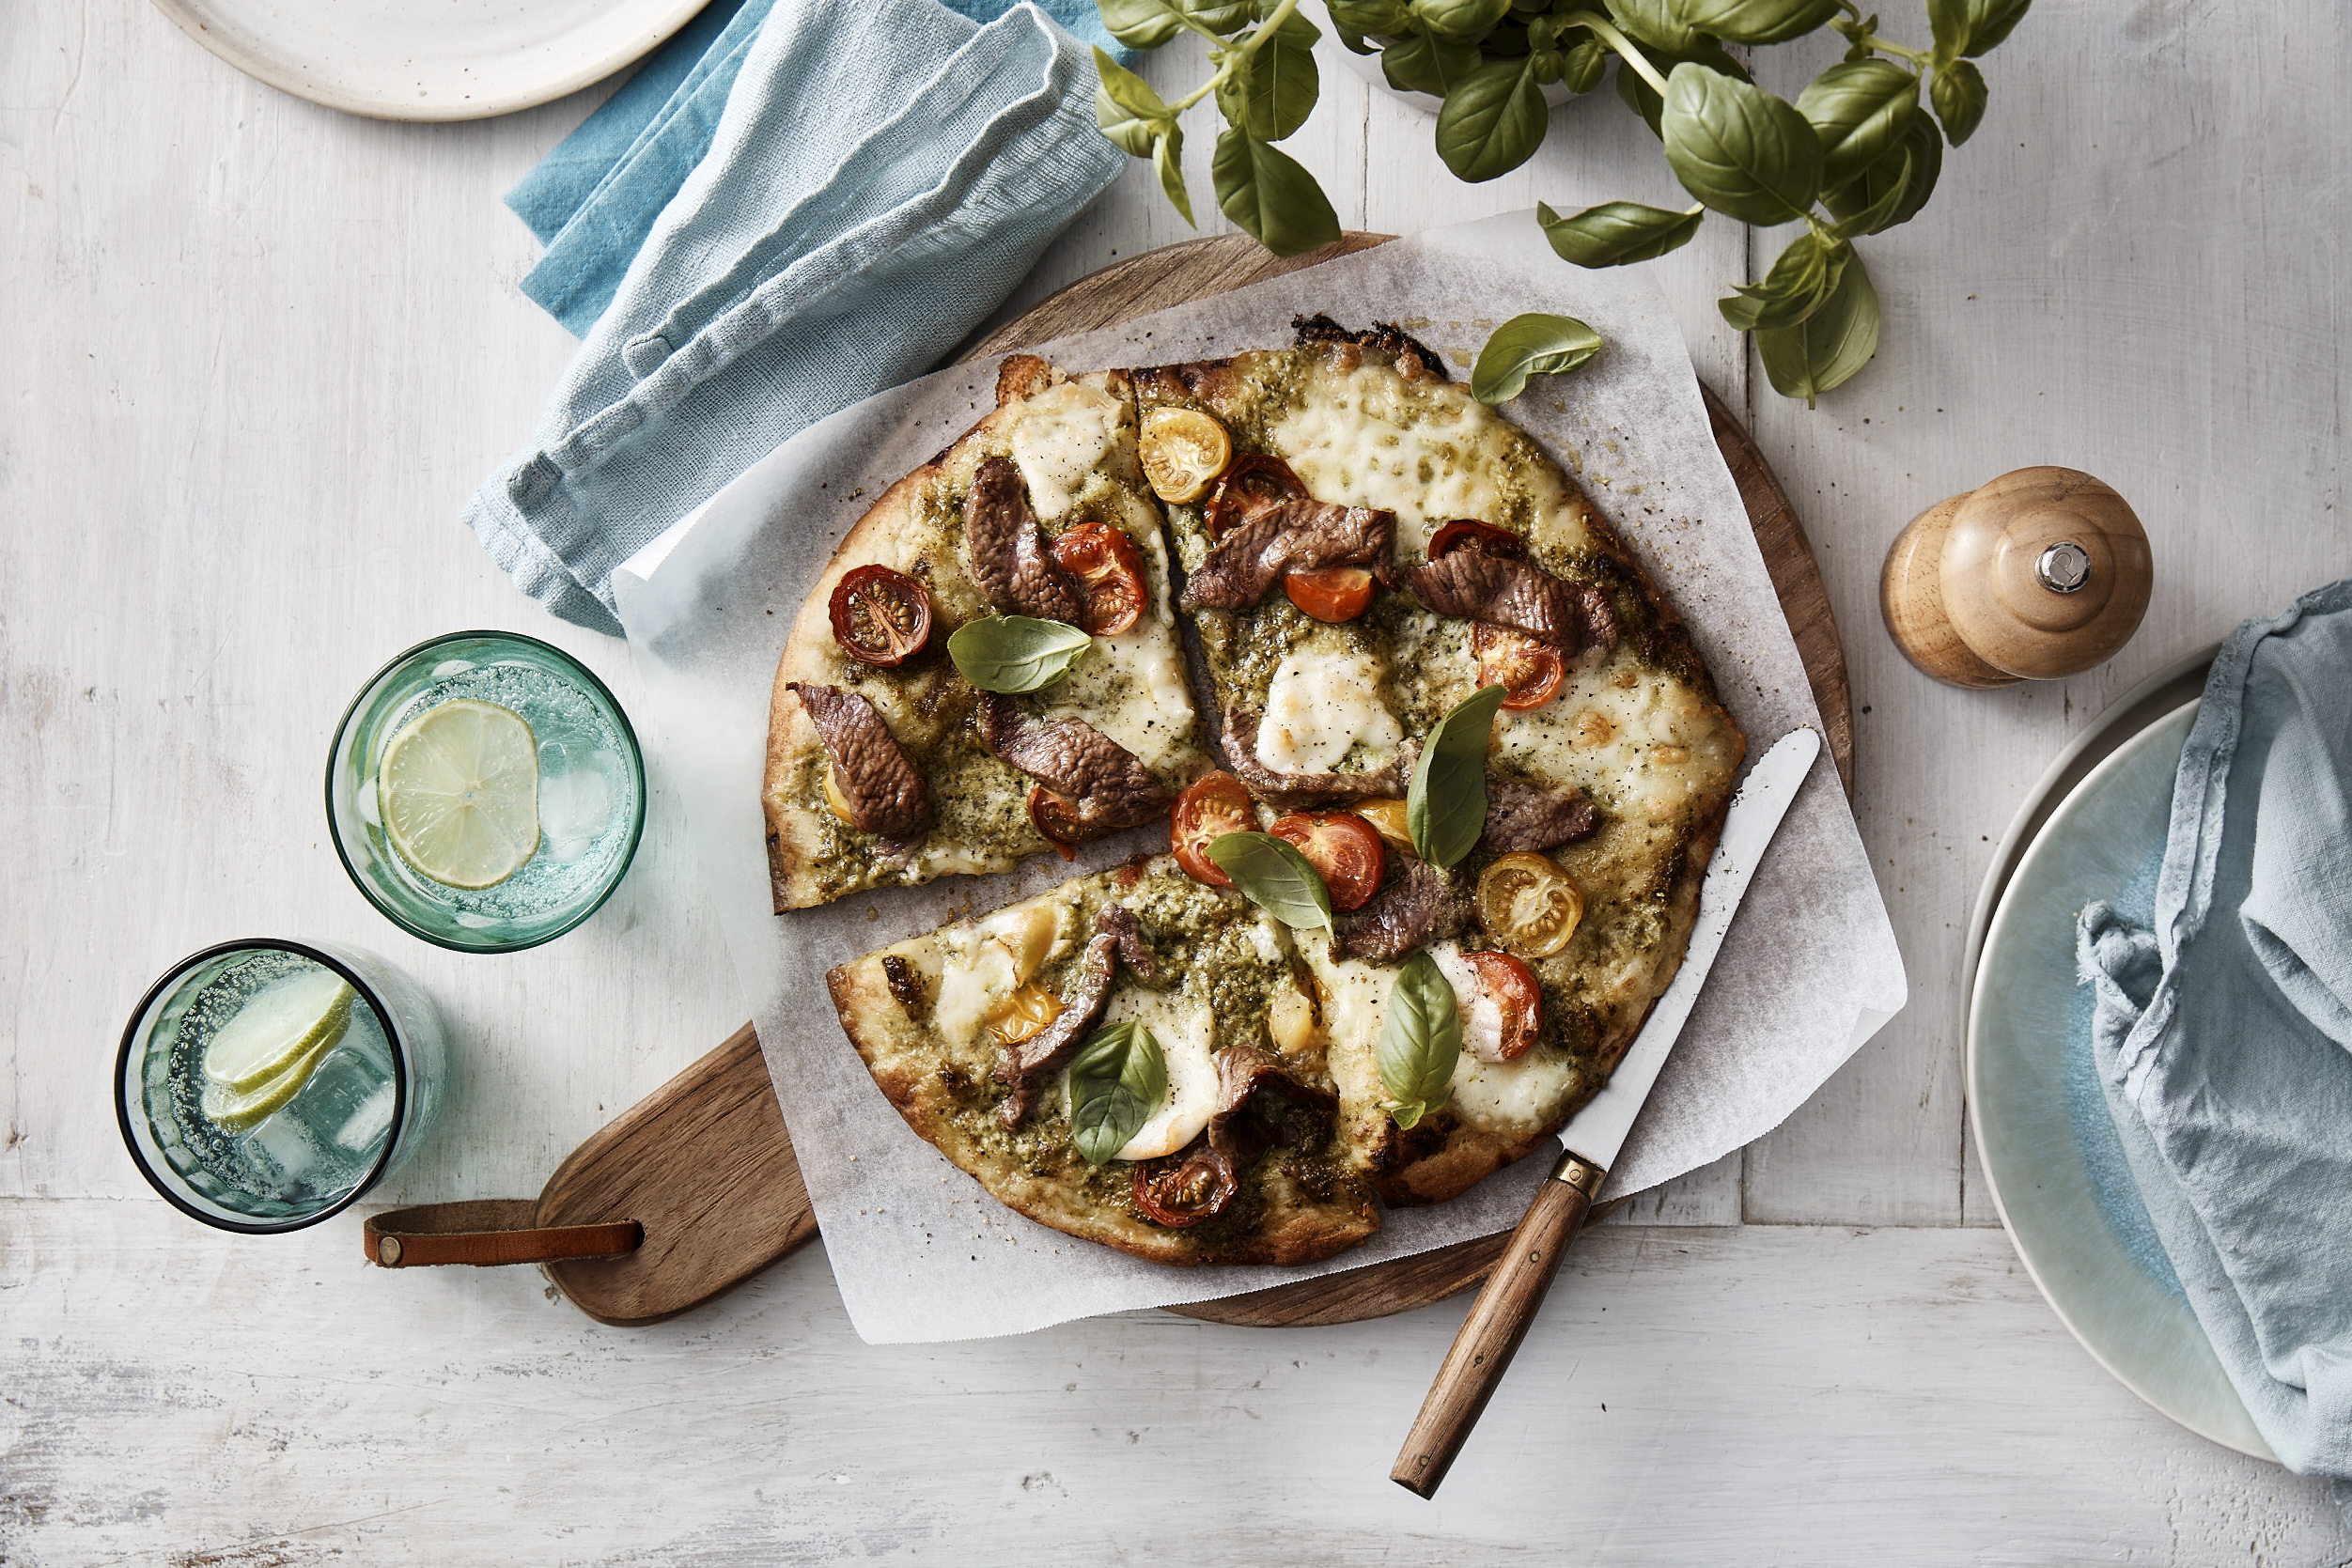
261, 350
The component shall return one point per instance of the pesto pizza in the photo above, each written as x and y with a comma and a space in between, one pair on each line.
1468, 772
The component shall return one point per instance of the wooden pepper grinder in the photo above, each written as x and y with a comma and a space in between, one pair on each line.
2037, 574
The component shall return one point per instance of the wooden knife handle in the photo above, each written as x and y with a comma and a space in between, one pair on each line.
1490, 1336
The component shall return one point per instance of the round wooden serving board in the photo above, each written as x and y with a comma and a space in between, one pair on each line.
704, 1164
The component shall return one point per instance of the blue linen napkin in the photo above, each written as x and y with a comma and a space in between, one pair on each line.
882, 175
2223, 1043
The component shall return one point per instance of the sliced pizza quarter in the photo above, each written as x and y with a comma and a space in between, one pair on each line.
886, 764
999, 1040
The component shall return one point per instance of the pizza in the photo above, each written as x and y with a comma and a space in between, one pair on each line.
1433, 683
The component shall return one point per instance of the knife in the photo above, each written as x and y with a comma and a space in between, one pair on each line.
1490, 1336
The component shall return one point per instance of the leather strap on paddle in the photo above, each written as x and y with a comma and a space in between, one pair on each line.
488, 1231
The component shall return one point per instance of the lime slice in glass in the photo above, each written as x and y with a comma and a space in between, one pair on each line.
282, 1023
459, 792
231, 1112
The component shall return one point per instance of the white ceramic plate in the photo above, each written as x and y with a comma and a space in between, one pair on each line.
2050, 1153
429, 59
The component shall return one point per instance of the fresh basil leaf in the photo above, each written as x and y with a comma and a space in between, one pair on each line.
1141, 23
1752, 20
1643, 101
1465, 21
1654, 23
1274, 92
1989, 22
1015, 653
1880, 213
1829, 347
1805, 275
1446, 808
1530, 344
1957, 92
1858, 110
1910, 167
1167, 156
1269, 196
1117, 1081
1493, 120
1583, 67
1421, 1041
1379, 17
1275, 877
1737, 148
1618, 232
1127, 109
1424, 63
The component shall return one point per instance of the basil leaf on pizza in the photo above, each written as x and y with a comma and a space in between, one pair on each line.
1421, 1040
1015, 653
1446, 809
1275, 877
1117, 1081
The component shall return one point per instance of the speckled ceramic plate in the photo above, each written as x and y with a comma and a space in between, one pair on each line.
2050, 1153
429, 59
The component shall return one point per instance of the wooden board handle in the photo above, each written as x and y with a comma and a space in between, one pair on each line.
1490, 1336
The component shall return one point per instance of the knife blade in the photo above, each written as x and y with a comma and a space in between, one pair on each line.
1490, 1335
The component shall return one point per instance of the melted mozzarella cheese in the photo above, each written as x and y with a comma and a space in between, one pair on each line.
1062, 434
1322, 703
1644, 748
1182, 1029
1482, 1015
1132, 689
1511, 1097
976, 974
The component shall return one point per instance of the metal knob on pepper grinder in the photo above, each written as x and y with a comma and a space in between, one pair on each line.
2037, 574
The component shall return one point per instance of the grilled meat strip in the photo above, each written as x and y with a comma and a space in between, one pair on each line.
1009, 560
885, 794
1518, 595
1522, 814
1096, 777
1298, 534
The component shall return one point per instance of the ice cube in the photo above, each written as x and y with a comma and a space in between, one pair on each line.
576, 798
369, 1122
289, 1145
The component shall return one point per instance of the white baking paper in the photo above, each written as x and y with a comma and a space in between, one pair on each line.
921, 1253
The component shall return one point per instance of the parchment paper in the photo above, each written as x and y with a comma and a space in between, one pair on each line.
921, 1253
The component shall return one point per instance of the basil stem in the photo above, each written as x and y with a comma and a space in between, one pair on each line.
1276, 877
1117, 1081
1421, 1040
1445, 809
1015, 653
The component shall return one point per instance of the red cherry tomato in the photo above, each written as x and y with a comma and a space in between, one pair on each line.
1331, 592
1209, 807
1253, 484
881, 617
1343, 848
1512, 985
1109, 571
1462, 534
1055, 819
1529, 669
1185, 1188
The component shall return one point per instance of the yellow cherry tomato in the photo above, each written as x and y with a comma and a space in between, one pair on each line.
1183, 451
1529, 904
1024, 1014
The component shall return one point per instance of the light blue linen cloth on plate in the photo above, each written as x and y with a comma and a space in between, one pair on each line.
2223, 1035
883, 173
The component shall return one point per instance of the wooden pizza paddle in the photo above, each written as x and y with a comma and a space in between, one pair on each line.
703, 1166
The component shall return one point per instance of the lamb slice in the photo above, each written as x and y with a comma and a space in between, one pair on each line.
1416, 906
885, 794
1518, 595
1213, 1163
1099, 780
1027, 1065
1524, 814
1283, 789
1134, 947
1009, 559
1298, 534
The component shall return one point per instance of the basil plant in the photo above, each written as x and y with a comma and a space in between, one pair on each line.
1856, 154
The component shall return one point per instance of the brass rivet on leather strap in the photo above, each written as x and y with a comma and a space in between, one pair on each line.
1580, 1174
388, 1252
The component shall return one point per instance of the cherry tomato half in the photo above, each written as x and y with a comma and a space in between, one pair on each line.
1343, 848
1511, 984
881, 617
1463, 534
1184, 1190
1209, 807
1253, 484
1527, 904
1109, 571
1331, 594
1530, 671
1055, 819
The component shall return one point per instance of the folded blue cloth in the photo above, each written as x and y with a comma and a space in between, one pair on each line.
2224, 1044
884, 173
594, 199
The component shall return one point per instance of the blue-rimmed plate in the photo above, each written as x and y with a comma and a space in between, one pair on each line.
2050, 1153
